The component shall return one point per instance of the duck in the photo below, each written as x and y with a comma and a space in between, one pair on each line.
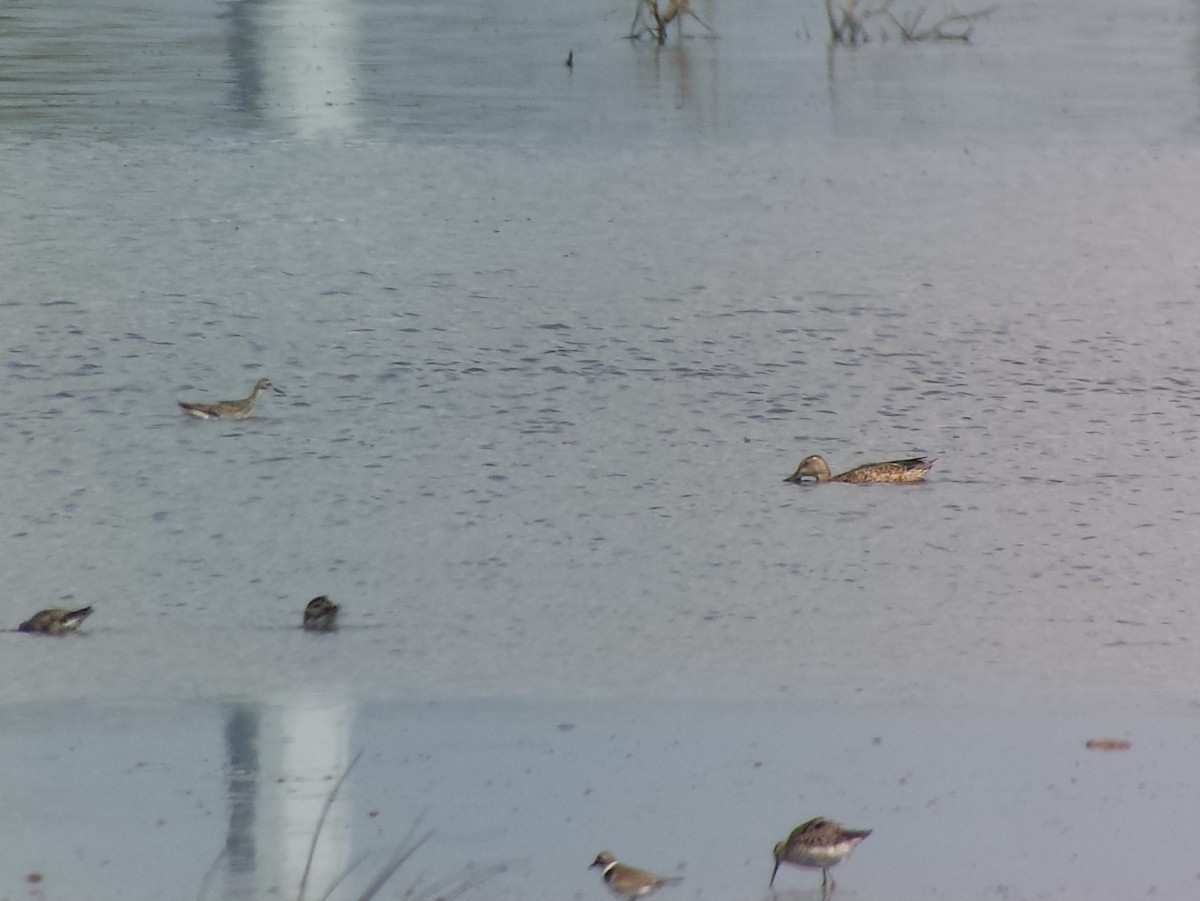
911, 470
321, 615
55, 621
229, 409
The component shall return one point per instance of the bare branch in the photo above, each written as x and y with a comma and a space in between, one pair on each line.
662, 17
851, 27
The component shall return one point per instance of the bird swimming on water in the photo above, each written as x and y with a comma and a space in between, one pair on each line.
321, 615
911, 470
55, 621
229, 409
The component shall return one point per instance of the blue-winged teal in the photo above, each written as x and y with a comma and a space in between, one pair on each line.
817, 469
818, 844
55, 621
629, 882
320, 615
229, 409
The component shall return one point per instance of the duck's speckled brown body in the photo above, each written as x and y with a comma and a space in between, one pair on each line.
911, 470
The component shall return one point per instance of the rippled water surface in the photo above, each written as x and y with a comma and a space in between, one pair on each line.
550, 338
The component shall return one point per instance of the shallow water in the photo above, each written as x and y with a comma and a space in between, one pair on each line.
550, 340
149, 799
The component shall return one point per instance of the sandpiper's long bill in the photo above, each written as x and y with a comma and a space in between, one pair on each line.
55, 620
229, 409
320, 615
628, 882
818, 844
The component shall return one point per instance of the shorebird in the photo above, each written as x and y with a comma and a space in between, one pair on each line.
55, 621
229, 409
818, 844
628, 882
815, 468
320, 615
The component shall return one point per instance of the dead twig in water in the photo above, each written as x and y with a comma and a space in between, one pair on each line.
963, 24
407, 849
212, 872
455, 886
848, 20
342, 877
675, 9
312, 848
850, 26
446, 889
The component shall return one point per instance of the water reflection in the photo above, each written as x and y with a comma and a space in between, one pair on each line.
293, 63
241, 739
283, 760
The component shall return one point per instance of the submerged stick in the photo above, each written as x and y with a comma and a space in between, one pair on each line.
450, 888
403, 853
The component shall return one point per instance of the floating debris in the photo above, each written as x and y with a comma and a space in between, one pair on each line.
1108, 744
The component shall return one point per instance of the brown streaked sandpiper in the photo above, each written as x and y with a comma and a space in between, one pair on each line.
321, 615
229, 409
818, 844
629, 882
55, 620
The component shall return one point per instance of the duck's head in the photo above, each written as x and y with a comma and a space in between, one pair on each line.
811, 467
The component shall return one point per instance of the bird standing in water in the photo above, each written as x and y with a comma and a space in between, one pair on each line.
818, 844
628, 882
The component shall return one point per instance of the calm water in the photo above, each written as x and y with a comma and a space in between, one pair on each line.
550, 340
149, 800
492, 73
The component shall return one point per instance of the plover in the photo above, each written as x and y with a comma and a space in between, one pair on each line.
628, 882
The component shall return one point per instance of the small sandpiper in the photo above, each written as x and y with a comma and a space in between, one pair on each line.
629, 882
229, 409
818, 844
321, 615
55, 621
